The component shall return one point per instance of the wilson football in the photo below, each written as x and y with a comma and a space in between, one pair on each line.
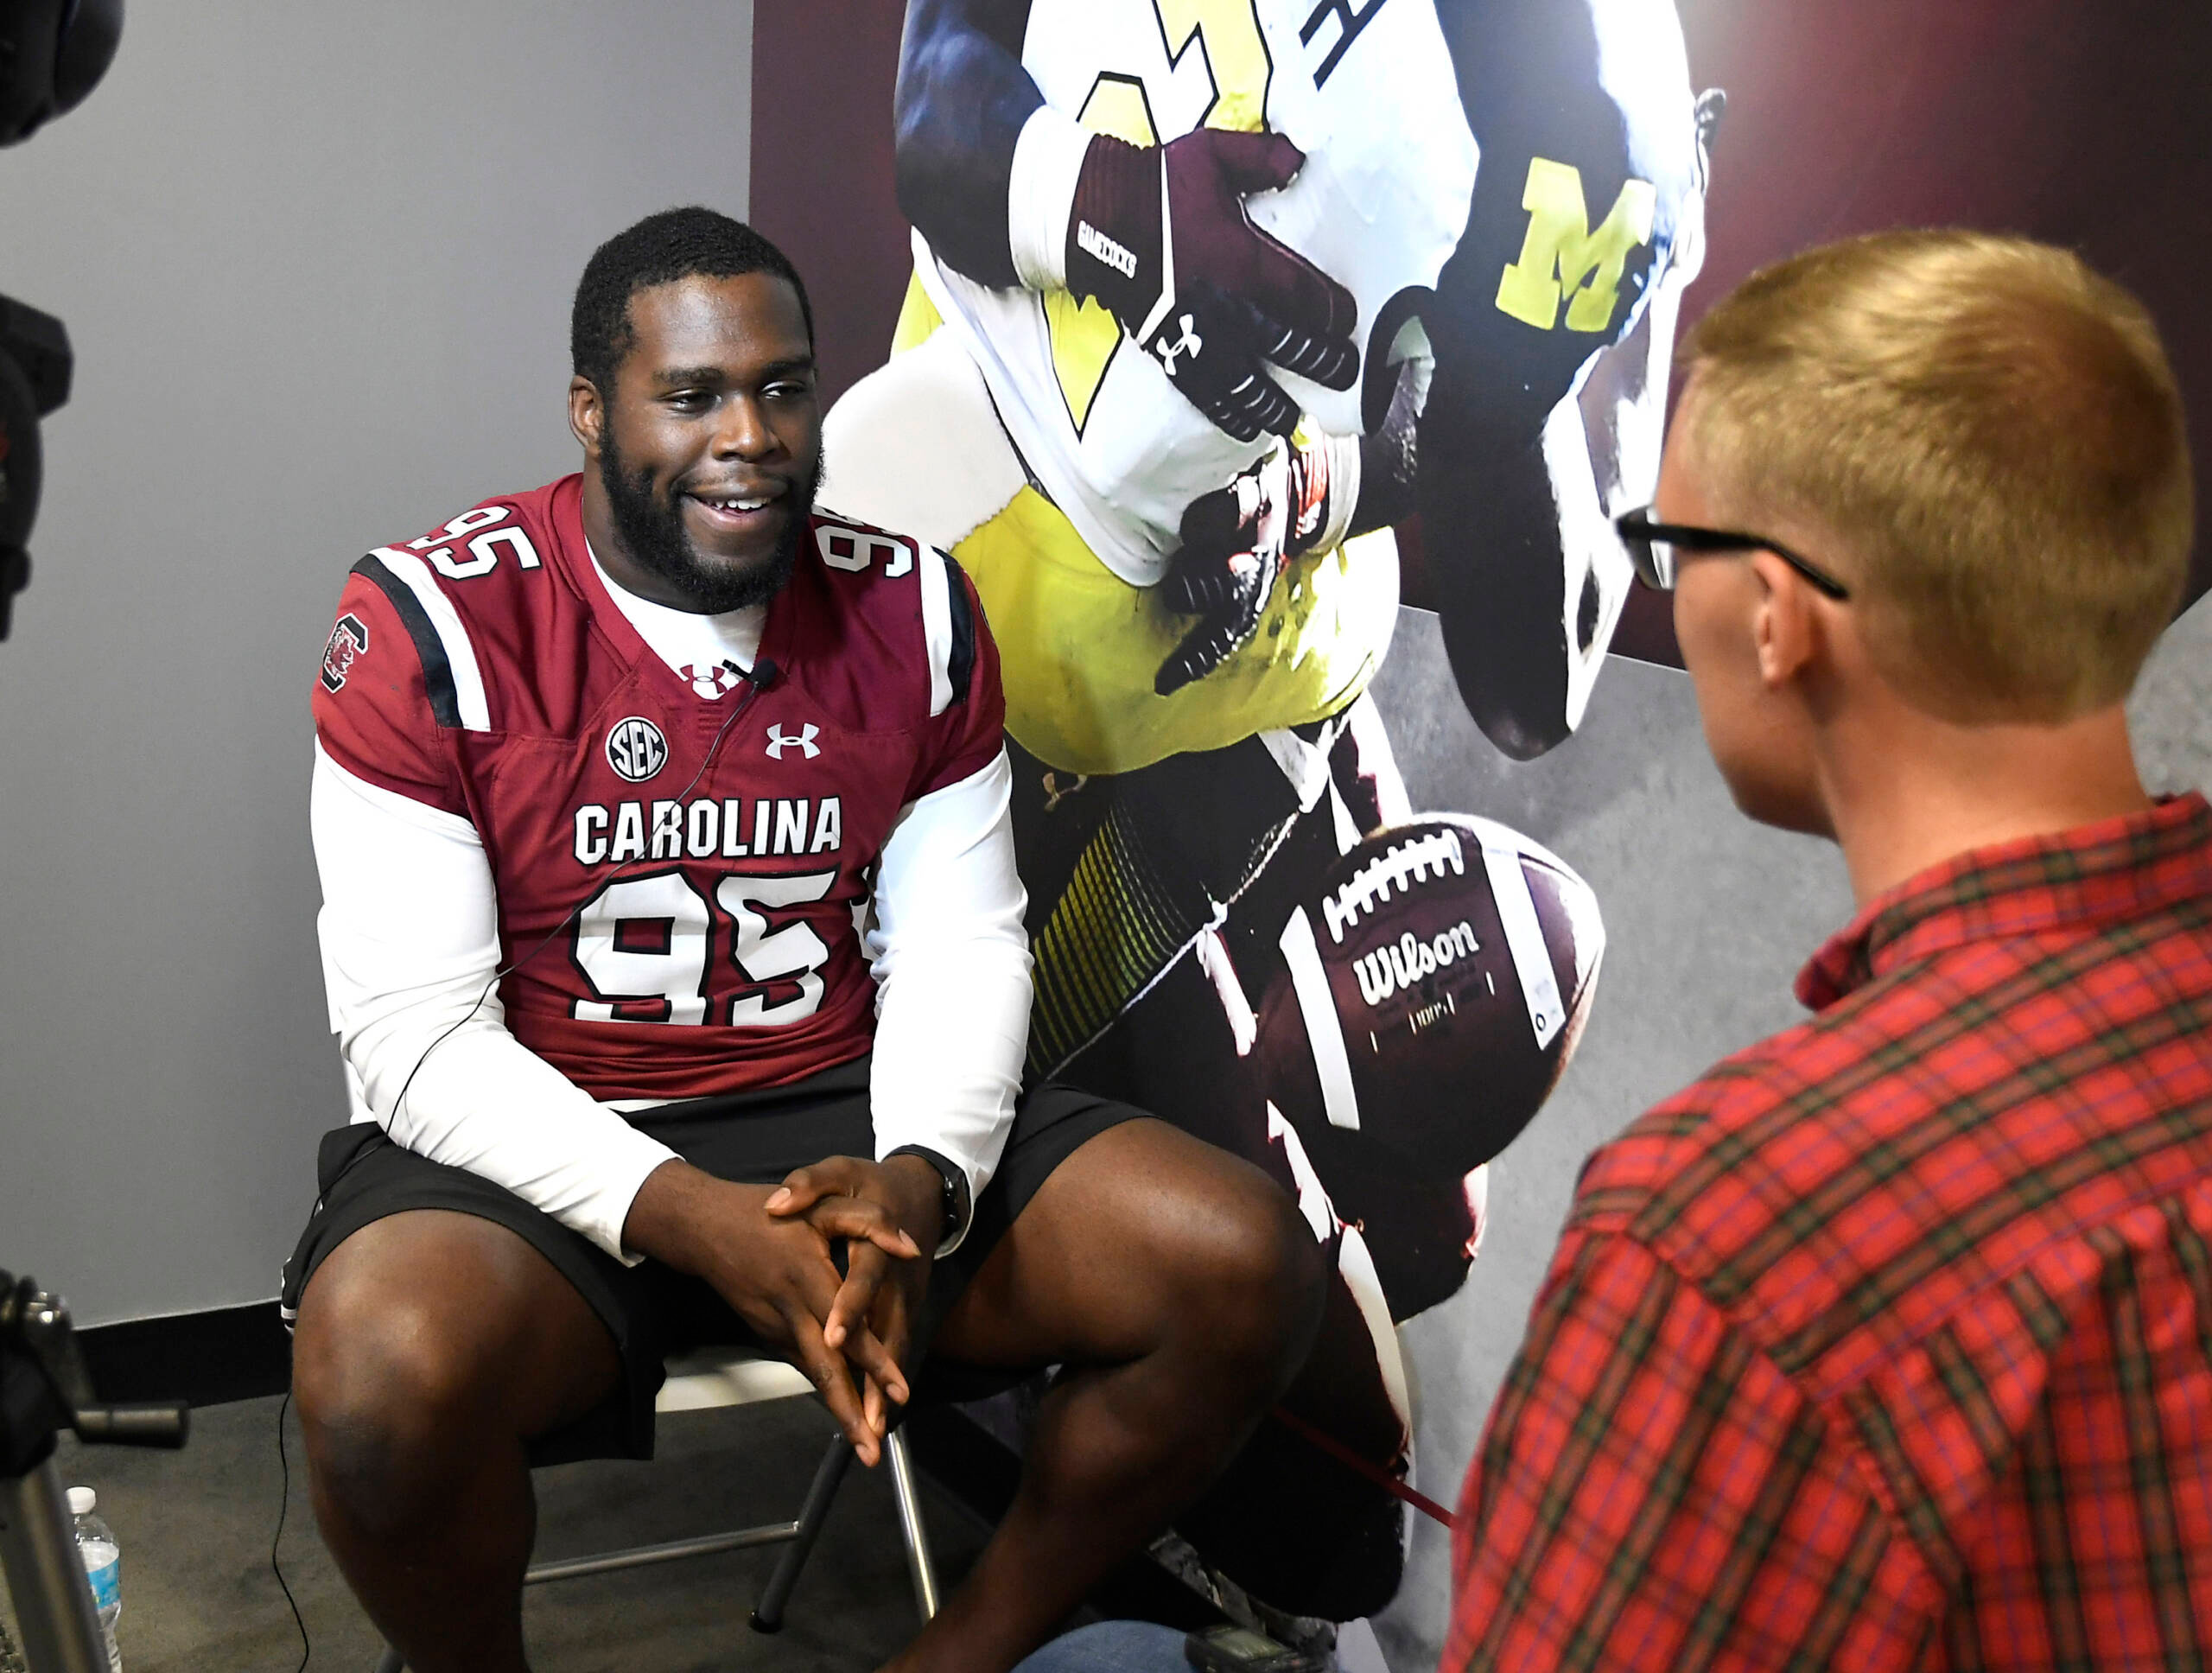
1432, 990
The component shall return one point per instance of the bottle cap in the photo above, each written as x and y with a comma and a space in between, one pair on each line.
81, 1500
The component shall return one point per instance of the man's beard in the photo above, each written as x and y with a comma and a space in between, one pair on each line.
651, 529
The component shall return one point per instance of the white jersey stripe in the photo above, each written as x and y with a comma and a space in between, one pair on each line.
936, 629
460, 655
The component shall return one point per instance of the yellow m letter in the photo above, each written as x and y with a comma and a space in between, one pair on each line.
1561, 255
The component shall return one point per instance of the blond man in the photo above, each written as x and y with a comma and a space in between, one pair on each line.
1888, 1344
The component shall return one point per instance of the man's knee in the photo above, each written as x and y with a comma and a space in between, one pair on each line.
1253, 1281
387, 1387
399, 1368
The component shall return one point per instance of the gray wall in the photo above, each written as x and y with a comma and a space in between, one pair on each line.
316, 261
1708, 918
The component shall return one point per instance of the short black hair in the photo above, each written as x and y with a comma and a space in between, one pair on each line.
675, 243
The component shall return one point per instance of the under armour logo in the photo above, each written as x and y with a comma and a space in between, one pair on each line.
805, 741
1190, 344
712, 679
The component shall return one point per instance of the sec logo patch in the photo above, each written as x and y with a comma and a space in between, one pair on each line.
635, 749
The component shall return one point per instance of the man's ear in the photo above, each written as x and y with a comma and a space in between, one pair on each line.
587, 413
1787, 628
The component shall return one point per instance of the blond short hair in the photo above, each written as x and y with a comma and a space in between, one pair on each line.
1991, 434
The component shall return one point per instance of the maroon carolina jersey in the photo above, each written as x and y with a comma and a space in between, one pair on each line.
679, 877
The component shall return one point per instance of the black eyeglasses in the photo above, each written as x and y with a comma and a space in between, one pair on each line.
1652, 548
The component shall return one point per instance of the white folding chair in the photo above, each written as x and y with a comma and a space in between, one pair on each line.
741, 1377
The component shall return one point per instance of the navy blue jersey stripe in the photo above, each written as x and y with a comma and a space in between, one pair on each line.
960, 665
438, 673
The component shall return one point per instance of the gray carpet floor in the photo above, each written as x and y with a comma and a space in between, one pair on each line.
198, 1596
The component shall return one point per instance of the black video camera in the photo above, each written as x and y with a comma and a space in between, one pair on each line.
34, 365
52, 53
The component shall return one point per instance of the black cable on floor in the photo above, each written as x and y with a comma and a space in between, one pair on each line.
284, 1505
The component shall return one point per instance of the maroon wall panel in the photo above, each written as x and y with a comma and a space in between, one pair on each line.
823, 72
2076, 124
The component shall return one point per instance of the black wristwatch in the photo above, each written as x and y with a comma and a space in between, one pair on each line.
956, 1190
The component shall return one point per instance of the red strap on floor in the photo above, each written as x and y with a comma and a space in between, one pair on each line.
1374, 1472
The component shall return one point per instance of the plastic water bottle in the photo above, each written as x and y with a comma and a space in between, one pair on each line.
103, 1567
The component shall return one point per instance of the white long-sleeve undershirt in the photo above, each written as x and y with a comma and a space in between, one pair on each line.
411, 949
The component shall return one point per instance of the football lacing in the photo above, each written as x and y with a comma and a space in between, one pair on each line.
1399, 867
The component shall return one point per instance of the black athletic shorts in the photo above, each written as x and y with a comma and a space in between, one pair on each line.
651, 1310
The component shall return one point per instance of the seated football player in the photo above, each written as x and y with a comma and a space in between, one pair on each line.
675, 947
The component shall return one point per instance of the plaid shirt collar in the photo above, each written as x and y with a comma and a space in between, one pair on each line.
2113, 869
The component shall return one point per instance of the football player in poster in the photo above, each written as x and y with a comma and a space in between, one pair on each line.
1209, 297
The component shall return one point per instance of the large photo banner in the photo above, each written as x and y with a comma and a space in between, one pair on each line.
1205, 299
1274, 368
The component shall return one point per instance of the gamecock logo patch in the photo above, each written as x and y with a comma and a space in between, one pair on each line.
635, 749
349, 641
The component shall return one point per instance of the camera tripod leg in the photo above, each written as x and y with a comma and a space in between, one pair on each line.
46, 1577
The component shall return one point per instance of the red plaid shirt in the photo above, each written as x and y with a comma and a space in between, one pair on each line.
1889, 1343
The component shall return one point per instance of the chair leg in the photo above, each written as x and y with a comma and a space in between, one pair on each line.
391, 1661
919, 1568
768, 1616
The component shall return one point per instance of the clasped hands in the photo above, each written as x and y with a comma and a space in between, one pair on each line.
769, 1252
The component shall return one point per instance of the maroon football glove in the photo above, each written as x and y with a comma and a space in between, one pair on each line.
1238, 539
1159, 235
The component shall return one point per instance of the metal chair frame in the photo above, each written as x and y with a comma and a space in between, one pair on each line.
736, 1377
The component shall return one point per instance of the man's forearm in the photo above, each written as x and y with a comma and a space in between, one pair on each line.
952, 963
947, 1068
681, 1215
410, 946
484, 1102
915, 1194
962, 98
666, 1217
